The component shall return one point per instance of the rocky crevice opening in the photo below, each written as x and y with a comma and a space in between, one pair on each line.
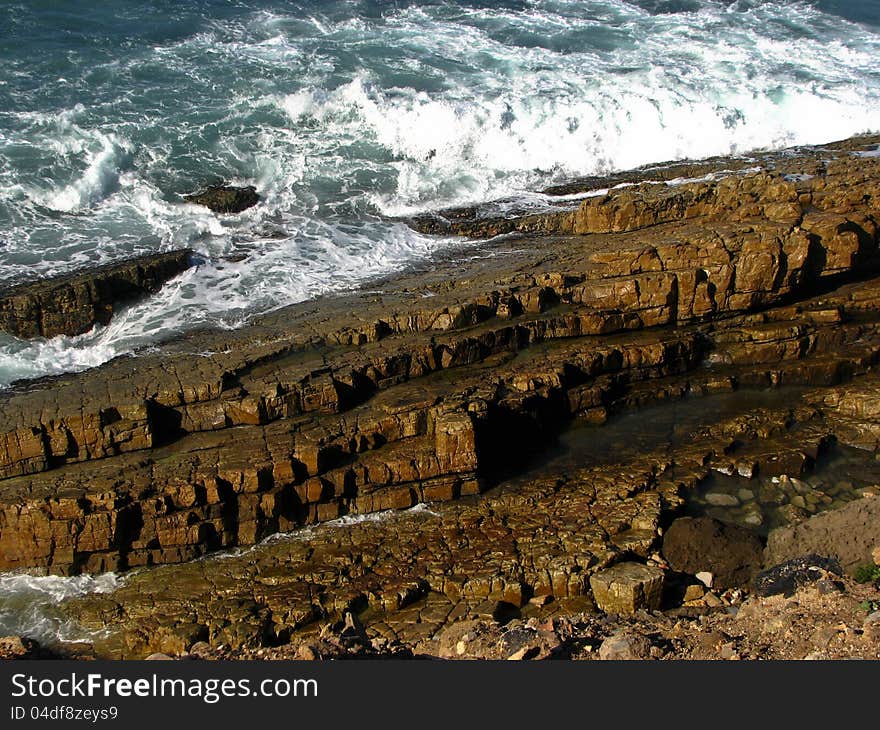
435, 390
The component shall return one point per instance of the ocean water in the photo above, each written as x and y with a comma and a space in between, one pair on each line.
348, 114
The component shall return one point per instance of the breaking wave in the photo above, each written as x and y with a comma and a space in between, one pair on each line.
346, 114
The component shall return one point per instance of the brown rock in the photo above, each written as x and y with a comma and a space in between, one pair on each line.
848, 534
695, 544
627, 587
71, 304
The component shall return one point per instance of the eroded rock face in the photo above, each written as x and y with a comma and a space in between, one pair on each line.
225, 198
73, 303
376, 401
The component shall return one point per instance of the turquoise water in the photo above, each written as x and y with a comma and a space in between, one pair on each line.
347, 115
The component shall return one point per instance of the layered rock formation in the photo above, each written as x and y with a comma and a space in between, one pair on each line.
440, 386
73, 303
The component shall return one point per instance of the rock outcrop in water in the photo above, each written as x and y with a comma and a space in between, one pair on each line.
74, 303
225, 198
439, 387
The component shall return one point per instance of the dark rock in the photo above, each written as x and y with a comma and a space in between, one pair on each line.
225, 198
73, 303
787, 577
731, 553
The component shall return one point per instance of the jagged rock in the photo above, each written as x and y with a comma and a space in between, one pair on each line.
787, 577
71, 304
225, 198
627, 587
695, 544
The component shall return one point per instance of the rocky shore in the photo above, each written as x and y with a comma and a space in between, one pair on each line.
751, 286
73, 303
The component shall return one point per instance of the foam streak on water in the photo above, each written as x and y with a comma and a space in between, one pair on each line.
344, 113
28, 604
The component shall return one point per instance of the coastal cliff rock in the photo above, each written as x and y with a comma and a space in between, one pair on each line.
378, 401
73, 303
441, 386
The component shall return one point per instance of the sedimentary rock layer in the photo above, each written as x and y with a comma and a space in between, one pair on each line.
426, 390
73, 303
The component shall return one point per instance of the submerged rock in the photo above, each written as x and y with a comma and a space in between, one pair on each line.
71, 304
225, 198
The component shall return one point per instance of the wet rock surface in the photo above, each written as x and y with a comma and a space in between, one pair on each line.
445, 387
71, 304
225, 198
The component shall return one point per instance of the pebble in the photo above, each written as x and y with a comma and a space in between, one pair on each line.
871, 627
705, 577
720, 499
624, 646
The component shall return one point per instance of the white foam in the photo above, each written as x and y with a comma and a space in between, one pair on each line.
29, 604
331, 148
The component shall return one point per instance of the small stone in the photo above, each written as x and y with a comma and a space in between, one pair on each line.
307, 653
875, 554
460, 648
816, 656
705, 577
693, 592
627, 587
200, 648
159, 657
745, 495
871, 627
728, 651
625, 646
826, 586
746, 469
823, 636
541, 600
720, 499
711, 600
754, 518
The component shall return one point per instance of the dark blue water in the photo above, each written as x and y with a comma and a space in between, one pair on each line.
347, 114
